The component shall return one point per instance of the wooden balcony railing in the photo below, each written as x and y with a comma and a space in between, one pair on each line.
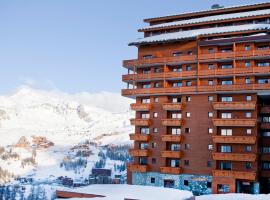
140, 122
265, 109
173, 106
172, 122
234, 139
138, 168
247, 157
235, 174
235, 122
250, 105
172, 154
171, 170
140, 137
141, 106
192, 89
163, 60
172, 138
139, 152
265, 125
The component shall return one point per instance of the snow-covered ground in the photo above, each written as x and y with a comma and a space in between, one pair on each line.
234, 197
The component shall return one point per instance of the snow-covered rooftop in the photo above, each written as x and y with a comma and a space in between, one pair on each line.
199, 32
211, 18
208, 10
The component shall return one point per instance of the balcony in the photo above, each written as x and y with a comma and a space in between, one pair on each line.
265, 125
250, 105
235, 139
159, 61
265, 109
235, 122
172, 106
139, 152
235, 174
172, 122
140, 122
140, 137
245, 157
172, 154
172, 138
141, 106
171, 170
138, 168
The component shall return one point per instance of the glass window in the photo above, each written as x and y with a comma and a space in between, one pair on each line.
248, 80
153, 180
226, 115
209, 163
175, 147
210, 147
188, 83
143, 161
248, 148
155, 114
210, 130
210, 98
178, 53
176, 131
188, 98
154, 145
210, 114
248, 114
177, 84
177, 69
248, 98
186, 162
226, 82
187, 130
247, 47
176, 115
223, 188
175, 163
263, 64
210, 82
266, 134
176, 100
248, 165
188, 114
187, 146
226, 66
226, 166
226, 132
226, 99
265, 150
156, 85
225, 149
145, 86
155, 130
148, 56
154, 160
186, 182
145, 100
188, 68
249, 131
211, 50
189, 53
144, 146
211, 66
247, 64
145, 115
145, 131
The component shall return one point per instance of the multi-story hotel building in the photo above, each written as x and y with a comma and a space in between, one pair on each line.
202, 87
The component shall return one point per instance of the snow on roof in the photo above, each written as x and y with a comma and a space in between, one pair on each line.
211, 18
116, 192
199, 32
208, 10
234, 196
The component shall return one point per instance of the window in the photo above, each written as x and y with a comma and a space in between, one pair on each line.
187, 130
226, 66
210, 130
169, 183
188, 98
146, 71
264, 81
248, 148
209, 163
186, 182
248, 114
247, 64
247, 47
223, 188
265, 150
266, 134
263, 47
209, 184
145, 100
143, 145
176, 131
178, 53
153, 180
154, 160
225, 149
145, 86
155, 130
226, 82
248, 165
223, 50
176, 100
177, 84
177, 69
186, 162
226, 115
248, 98
263, 64
175, 163
187, 146
155, 114
248, 80
176, 115
143, 161
266, 165
249, 131
145, 116
211, 66
210, 114
210, 82
157, 70
210, 98
188, 68
211, 50
187, 114
175, 147
145, 131
226, 166
156, 85
188, 83
154, 145
226, 99
226, 132
210, 147
148, 56
189, 53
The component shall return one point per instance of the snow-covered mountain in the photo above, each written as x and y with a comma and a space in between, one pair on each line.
64, 118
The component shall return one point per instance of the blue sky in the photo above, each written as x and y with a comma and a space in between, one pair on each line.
76, 45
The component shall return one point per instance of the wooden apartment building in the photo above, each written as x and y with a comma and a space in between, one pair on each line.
201, 82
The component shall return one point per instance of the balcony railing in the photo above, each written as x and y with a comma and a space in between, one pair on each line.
171, 170
265, 109
172, 154
265, 125
173, 106
235, 139
235, 174
140, 122
141, 106
192, 89
139, 152
172, 122
250, 105
140, 137
235, 122
172, 138
138, 168
247, 157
